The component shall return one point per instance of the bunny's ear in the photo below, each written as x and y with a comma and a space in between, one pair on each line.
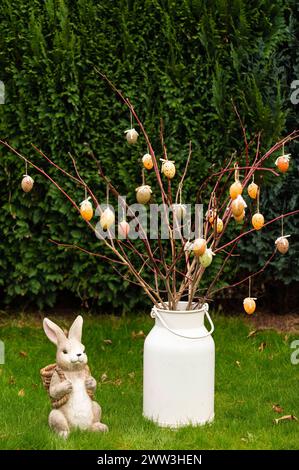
76, 329
53, 332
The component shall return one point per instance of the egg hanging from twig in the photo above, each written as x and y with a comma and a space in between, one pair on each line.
27, 183
282, 244
258, 221
124, 229
207, 258
179, 210
199, 246
238, 205
283, 162
168, 168
143, 194
219, 225
249, 305
131, 136
147, 161
252, 190
235, 190
86, 209
107, 219
211, 214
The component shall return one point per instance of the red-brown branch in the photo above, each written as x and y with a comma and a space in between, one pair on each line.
91, 253
253, 230
247, 277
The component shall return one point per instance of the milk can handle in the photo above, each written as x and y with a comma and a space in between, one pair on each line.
155, 313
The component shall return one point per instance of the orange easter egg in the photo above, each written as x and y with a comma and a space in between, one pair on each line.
249, 305
235, 190
258, 221
199, 246
86, 210
252, 190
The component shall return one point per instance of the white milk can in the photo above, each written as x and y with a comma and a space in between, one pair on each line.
179, 368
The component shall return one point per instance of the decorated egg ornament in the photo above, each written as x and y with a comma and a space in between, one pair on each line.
86, 209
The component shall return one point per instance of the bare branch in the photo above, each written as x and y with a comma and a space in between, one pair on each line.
77, 247
247, 277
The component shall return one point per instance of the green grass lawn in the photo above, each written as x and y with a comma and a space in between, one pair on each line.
248, 382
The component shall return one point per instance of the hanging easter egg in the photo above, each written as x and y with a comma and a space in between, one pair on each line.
143, 194
199, 246
27, 183
168, 169
86, 209
235, 190
283, 163
252, 190
131, 136
147, 161
180, 210
249, 305
239, 218
207, 258
258, 221
123, 229
211, 214
107, 219
219, 227
238, 205
282, 244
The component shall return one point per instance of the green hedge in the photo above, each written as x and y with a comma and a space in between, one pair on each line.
181, 60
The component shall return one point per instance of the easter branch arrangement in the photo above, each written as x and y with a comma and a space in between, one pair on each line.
170, 270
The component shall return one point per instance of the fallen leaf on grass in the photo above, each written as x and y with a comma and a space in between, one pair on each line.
285, 418
107, 341
252, 333
104, 380
262, 346
104, 377
277, 408
116, 382
21, 393
131, 375
12, 380
249, 438
238, 363
140, 334
23, 354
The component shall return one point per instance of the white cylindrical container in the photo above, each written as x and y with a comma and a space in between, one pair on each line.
179, 368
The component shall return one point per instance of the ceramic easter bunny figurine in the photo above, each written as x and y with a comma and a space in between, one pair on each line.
69, 383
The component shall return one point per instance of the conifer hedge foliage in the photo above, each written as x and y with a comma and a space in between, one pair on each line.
183, 60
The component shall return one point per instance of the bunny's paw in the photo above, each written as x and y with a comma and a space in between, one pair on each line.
90, 383
67, 386
99, 427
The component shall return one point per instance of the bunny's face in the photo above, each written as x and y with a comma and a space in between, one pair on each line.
71, 355
70, 351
